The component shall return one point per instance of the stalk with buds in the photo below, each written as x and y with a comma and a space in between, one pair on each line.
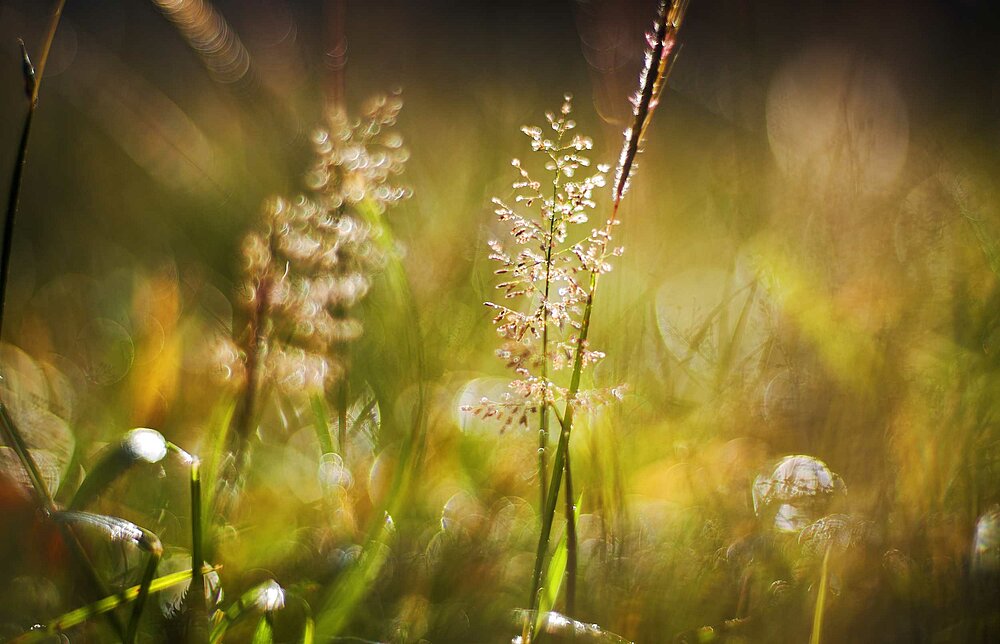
310, 264
659, 59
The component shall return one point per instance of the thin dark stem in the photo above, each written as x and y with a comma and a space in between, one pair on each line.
155, 553
246, 412
43, 498
16, 441
571, 548
257, 341
196, 592
32, 85
12, 201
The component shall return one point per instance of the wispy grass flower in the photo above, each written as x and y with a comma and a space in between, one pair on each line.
543, 268
542, 260
313, 260
310, 263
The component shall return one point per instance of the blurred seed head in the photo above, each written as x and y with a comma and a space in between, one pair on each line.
312, 260
145, 444
270, 597
798, 487
986, 543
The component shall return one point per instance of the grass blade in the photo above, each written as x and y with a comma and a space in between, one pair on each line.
555, 573
309, 630
344, 596
321, 423
33, 83
197, 599
817, 627
80, 615
122, 531
14, 438
264, 633
141, 445
266, 597
140, 600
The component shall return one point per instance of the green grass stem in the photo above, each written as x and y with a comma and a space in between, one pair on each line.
670, 16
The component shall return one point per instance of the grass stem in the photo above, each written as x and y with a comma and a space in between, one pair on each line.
652, 80
43, 498
196, 591
155, 552
817, 625
571, 548
32, 84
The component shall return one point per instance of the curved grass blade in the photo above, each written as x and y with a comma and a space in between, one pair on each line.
144, 445
266, 598
141, 445
120, 530
78, 616
44, 499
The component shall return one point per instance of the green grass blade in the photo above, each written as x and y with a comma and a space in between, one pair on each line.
197, 599
321, 423
81, 615
140, 601
140, 445
218, 429
115, 529
555, 573
309, 630
817, 627
261, 597
344, 596
264, 633
549, 591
